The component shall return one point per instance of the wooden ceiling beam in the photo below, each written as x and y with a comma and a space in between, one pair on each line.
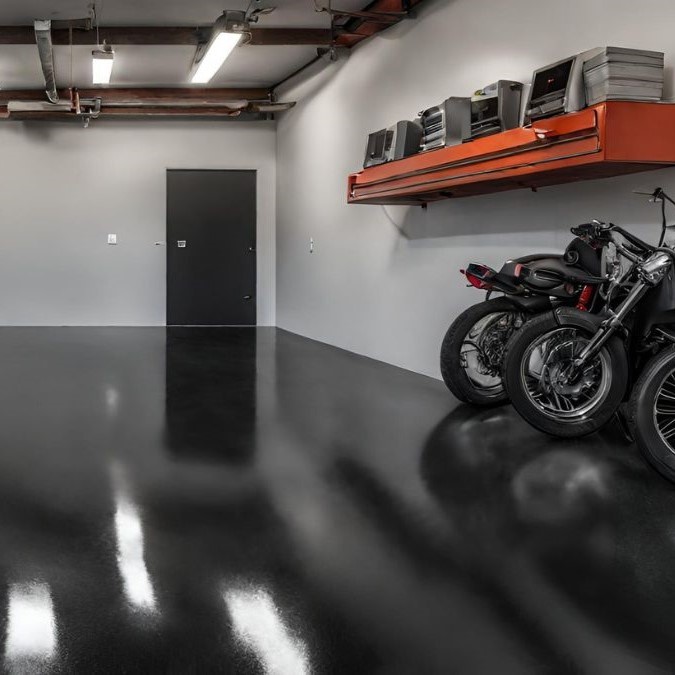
124, 113
179, 111
355, 27
347, 34
138, 95
392, 11
165, 35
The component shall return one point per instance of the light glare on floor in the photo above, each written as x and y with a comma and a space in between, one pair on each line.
257, 623
31, 626
130, 556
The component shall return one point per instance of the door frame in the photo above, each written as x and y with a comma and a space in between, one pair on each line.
257, 172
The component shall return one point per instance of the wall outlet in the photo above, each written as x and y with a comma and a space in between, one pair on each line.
112, 239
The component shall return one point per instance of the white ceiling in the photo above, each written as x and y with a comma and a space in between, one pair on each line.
158, 66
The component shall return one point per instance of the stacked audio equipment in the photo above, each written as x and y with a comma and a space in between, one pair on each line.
446, 124
399, 141
495, 108
624, 74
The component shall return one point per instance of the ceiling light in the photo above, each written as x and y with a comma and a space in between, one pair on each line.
227, 33
103, 60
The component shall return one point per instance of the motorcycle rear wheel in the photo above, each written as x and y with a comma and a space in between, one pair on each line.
651, 413
536, 361
463, 350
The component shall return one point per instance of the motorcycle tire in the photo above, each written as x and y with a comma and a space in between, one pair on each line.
589, 416
452, 369
647, 423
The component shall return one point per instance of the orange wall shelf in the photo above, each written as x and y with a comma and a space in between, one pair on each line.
609, 139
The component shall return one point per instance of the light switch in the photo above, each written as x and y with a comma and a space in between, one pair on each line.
112, 239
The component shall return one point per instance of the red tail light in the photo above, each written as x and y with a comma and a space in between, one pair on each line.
585, 298
479, 276
478, 283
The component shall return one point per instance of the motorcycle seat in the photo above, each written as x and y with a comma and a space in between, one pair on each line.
511, 268
548, 273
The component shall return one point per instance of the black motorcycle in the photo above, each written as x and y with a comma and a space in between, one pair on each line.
567, 372
651, 412
473, 348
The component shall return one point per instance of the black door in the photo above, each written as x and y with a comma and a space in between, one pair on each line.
211, 240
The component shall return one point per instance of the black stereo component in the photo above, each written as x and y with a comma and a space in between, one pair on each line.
558, 88
495, 108
446, 124
399, 141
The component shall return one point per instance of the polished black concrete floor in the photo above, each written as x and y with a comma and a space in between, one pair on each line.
248, 501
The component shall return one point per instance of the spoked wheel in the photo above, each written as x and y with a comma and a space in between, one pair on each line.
473, 350
652, 413
547, 375
664, 409
549, 390
483, 349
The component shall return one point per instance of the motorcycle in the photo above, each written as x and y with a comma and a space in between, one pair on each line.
651, 412
567, 372
473, 347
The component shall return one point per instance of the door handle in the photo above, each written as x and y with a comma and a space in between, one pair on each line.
248, 297
251, 249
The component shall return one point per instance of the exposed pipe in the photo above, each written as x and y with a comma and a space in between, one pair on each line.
43, 37
75, 101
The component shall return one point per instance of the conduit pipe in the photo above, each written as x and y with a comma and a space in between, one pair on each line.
43, 37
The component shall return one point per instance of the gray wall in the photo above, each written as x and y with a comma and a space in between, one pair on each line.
384, 281
64, 188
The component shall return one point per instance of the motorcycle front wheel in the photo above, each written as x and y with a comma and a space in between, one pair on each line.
545, 388
651, 413
473, 349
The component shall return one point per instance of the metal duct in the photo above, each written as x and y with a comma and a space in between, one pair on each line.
43, 37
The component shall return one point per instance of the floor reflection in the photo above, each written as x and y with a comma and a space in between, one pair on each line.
377, 532
210, 395
258, 624
130, 546
31, 628
559, 486
548, 524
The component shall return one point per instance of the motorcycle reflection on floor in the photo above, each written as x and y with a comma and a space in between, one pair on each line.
567, 372
551, 529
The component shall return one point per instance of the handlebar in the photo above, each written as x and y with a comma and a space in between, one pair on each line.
636, 241
594, 229
602, 233
657, 194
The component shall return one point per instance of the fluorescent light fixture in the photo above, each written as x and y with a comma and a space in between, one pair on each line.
227, 33
215, 56
102, 61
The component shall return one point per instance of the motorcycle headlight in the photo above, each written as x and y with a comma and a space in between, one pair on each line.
655, 268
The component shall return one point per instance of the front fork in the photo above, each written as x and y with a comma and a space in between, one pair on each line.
610, 325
